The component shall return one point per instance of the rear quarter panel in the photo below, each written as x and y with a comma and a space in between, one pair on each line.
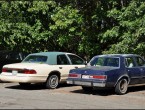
113, 76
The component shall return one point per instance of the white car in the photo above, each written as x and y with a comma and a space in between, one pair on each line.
50, 68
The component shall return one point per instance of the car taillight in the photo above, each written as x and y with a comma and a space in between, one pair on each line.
72, 75
27, 71
101, 77
4, 70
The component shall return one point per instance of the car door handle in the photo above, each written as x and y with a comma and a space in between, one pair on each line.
76, 67
60, 67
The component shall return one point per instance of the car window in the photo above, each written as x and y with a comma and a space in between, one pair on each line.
129, 62
76, 60
62, 60
35, 59
112, 62
23, 55
99, 61
13, 56
105, 61
140, 61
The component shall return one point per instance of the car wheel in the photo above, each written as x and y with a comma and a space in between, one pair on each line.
52, 82
86, 89
121, 87
24, 84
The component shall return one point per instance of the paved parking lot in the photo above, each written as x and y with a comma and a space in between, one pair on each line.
12, 96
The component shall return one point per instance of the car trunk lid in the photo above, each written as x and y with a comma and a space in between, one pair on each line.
26, 68
93, 70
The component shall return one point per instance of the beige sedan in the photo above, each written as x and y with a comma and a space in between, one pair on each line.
50, 68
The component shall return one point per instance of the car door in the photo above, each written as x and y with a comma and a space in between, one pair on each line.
64, 66
141, 64
134, 72
76, 61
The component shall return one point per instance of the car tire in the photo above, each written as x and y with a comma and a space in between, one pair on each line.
24, 84
52, 82
87, 89
121, 87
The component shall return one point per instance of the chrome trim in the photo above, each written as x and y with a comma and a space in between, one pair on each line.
99, 84
69, 82
143, 84
83, 83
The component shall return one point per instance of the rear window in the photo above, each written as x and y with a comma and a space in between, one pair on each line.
36, 59
105, 61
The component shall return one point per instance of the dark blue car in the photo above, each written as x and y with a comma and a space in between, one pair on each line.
113, 70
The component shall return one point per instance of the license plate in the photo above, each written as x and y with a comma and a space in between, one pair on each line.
85, 76
14, 72
82, 83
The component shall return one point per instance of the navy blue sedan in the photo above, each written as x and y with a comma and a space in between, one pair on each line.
113, 70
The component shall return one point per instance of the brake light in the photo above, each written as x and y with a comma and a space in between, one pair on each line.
4, 70
72, 75
101, 77
26, 71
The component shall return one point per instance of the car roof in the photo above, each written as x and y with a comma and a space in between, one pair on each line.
117, 55
52, 60
49, 53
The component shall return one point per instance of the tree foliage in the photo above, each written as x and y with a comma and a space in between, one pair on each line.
84, 27
130, 29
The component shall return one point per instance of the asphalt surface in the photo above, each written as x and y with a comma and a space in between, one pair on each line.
13, 96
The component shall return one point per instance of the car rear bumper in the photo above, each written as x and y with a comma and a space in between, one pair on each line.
87, 83
22, 79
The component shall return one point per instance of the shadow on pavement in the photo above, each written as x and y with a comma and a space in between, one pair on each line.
107, 92
38, 86
29, 87
96, 91
136, 88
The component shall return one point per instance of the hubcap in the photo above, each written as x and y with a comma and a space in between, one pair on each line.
53, 81
123, 85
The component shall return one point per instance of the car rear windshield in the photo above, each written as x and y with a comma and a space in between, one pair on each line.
36, 59
105, 61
